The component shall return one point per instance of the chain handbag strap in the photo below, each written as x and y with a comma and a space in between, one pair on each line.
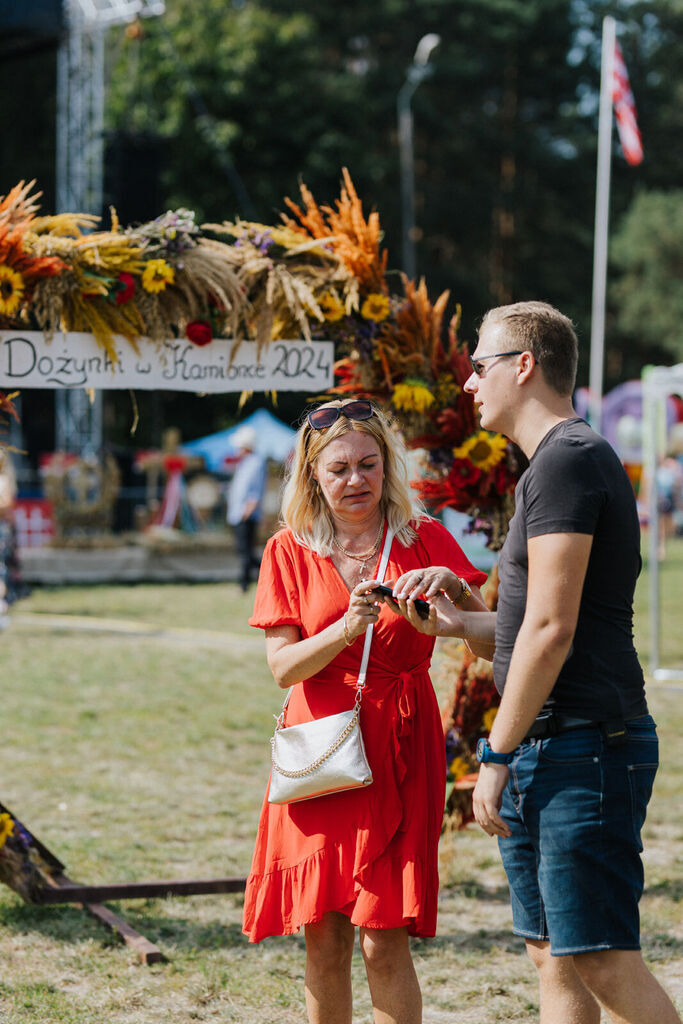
386, 551
301, 773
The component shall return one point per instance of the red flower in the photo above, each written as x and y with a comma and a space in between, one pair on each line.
125, 288
6, 405
199, 332
174, 463
464, 473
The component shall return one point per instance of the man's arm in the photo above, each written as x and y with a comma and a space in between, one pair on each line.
557, 570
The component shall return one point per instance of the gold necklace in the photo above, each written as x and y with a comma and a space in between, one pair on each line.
368, 554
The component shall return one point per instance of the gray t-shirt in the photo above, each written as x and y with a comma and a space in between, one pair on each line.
575, 483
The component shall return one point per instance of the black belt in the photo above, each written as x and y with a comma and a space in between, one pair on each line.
550, 725
613, 730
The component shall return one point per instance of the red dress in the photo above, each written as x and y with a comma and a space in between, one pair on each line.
369, 853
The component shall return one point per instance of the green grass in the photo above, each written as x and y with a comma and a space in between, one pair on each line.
671, 602
143, 755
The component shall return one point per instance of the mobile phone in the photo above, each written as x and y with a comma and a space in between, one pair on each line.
421, 607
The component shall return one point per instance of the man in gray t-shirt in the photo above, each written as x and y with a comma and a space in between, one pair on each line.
567, 771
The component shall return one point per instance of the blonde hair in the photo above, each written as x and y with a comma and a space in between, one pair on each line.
304, 509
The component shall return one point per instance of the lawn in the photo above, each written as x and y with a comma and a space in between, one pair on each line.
136, 747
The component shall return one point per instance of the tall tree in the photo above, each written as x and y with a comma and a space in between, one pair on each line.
647, 294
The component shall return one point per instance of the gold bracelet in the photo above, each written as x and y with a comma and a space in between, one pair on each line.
348, 639
465, 591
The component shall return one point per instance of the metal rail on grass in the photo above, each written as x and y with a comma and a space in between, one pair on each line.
29, 868
72, 892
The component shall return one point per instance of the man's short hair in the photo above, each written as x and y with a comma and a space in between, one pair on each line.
549, 335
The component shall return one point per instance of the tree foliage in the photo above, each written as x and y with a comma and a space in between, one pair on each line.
648, 294
252, 96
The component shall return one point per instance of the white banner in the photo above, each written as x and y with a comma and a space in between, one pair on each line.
75, 360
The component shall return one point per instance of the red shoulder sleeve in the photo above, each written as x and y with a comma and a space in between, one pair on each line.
443, 549
277, 591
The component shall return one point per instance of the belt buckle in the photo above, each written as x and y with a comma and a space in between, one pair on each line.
614, 732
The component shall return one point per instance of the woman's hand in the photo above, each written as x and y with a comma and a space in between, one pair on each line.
364, 608
427, 582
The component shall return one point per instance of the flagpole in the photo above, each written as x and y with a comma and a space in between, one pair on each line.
600, 241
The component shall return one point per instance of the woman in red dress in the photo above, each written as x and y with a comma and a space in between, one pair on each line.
366, 857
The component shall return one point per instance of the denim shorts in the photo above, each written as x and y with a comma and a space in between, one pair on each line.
576, 807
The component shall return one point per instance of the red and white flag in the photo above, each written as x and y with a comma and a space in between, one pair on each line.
625, 111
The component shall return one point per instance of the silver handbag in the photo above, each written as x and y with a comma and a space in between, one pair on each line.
326, 755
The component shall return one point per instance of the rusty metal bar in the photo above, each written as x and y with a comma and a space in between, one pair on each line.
71, 892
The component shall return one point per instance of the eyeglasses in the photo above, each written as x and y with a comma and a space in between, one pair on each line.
329, 414
478, 364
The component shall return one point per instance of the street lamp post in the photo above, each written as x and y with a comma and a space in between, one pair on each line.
417, 72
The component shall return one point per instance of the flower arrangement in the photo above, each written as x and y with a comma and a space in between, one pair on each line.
468, 712
6, 410
165, 278
26, 866
391, 348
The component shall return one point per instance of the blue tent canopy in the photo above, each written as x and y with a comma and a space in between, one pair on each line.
274, 440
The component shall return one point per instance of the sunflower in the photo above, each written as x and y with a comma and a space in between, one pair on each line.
488, 719
156, 275
412, 396
375, 307
446, 390
11, 290
459, 766
483, 450
6, 828
332, 307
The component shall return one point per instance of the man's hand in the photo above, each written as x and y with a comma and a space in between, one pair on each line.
487, 798
444, 619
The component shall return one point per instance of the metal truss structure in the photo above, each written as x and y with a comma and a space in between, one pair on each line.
80, 156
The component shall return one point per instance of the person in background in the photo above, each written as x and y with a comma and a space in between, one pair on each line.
245, 499
9, 566
669, 486
567, 771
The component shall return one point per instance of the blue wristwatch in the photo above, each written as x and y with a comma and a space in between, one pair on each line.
485, 755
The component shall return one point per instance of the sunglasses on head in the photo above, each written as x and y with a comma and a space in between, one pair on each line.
329, 414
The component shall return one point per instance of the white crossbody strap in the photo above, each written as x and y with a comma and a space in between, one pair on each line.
388, 540
386, 550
